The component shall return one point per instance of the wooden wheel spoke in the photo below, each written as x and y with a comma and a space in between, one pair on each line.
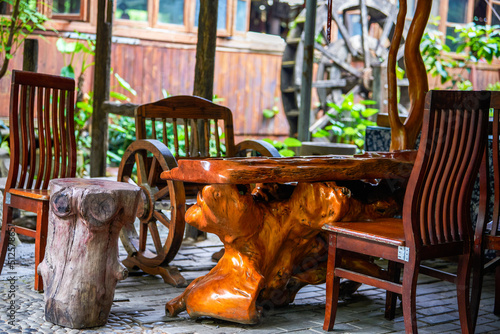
364, 33
141, 167
335, 83
128, 179
155, 235
401, 52
345, 34
336, 60
163, 219
143, 235
389, 22
152, 171
161, 193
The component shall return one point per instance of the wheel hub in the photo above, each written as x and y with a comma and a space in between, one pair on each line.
146, 205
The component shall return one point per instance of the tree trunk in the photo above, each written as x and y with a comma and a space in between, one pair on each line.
102, 71
81, 266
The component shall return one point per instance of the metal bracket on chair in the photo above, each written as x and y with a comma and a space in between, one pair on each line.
404, 253
7, 198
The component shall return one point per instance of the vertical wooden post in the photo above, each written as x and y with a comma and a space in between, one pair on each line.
307, 70
102, 70
30, 55
204, 73
205, 50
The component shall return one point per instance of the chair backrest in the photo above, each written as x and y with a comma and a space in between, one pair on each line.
166, 120
42, 135
437, 201
485, 197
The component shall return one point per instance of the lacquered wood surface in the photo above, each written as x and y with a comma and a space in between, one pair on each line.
273, 244
487, 234
42, 147
436, 211
297, 169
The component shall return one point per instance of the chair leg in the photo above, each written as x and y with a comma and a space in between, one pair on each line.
332, 285
409, 292
4, 237
477, 284
391, 298
463, 284
42, 220
496, 309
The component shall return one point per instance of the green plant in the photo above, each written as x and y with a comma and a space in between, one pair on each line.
283, 147
494, 86
14, 29
85, 51
481, 41
464, 85
73, 49
435, 53
270, 113
348, 121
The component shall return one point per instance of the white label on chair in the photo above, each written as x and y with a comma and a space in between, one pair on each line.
7, 198
403, 253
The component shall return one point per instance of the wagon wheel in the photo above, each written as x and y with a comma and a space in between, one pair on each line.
361, 33
160, 213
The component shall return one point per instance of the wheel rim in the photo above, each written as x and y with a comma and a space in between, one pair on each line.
155, 239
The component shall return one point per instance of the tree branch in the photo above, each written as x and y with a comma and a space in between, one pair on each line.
8, 46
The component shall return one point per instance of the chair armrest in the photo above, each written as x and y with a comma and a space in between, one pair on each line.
260, 146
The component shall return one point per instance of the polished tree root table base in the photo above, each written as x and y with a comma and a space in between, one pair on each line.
272, 232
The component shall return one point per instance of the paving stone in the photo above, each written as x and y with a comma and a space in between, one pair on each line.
139, 306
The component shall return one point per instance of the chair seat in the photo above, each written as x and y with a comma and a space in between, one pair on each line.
36, 194
388, 230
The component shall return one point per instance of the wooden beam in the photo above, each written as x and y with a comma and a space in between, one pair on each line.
102, 70
204, 75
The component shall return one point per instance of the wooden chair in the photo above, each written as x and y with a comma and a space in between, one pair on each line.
42, 147
487, 237
178, 127
436, 212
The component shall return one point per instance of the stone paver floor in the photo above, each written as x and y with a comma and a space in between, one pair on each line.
139, 304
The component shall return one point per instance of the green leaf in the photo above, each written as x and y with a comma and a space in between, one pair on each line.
359, 142
400, 73
118, 96
68, 71
292, 142
114, 156
369, 112
349, 131
286, 152
125, 85
268, 113
65, 47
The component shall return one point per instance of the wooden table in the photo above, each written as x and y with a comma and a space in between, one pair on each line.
268, 212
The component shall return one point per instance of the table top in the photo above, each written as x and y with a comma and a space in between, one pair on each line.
380, 165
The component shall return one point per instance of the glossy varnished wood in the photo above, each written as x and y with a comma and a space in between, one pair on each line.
297, 169
487, 236
273, 244
436, 210
205, 129
42, 147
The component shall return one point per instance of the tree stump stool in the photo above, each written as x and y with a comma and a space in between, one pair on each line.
81, 266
